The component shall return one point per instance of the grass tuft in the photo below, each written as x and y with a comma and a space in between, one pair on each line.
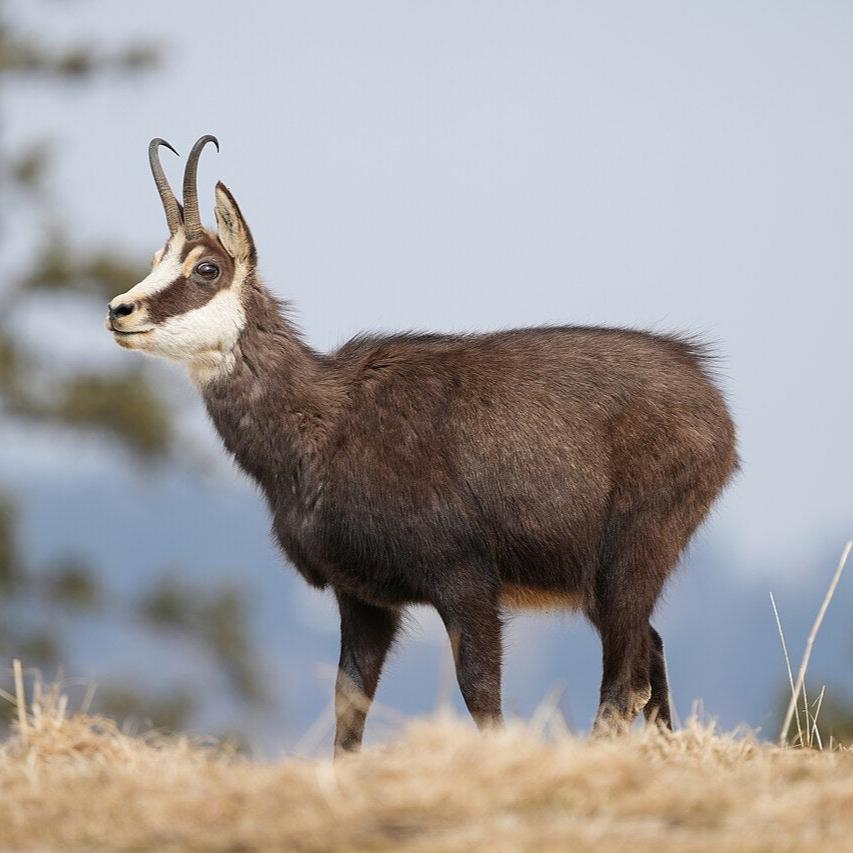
74, 780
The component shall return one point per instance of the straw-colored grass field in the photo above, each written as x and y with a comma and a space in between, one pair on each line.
76, 781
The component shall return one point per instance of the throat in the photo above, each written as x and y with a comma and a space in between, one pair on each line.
211, 366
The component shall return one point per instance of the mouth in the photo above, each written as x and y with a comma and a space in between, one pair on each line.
130, 334
131, 339
121, 333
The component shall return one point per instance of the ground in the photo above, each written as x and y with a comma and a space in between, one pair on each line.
77, 781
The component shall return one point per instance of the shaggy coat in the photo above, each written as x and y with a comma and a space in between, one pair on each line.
537, 467
544, 467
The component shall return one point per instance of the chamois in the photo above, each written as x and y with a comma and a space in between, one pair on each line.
553, 467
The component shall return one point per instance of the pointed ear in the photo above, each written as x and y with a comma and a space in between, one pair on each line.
233, 232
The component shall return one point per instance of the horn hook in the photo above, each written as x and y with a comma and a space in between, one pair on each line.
192, 218
170, 203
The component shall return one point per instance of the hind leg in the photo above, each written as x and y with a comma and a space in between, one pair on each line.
643, 537
626, 591
626, 676
657, 709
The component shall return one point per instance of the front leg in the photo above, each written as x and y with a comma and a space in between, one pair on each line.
475, 632
367, 633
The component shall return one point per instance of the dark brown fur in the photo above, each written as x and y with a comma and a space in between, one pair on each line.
571, 463
554, 466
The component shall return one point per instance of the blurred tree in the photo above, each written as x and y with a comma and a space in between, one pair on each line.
123, 405
71, 584
167, 713
10, 566
217, 620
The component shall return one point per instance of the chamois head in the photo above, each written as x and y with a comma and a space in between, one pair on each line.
189, 307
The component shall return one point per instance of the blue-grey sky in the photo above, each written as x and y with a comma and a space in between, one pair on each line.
478, 165
474, 165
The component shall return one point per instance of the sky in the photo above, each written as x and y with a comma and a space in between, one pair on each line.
469, 166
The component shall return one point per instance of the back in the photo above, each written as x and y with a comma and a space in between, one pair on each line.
521, 440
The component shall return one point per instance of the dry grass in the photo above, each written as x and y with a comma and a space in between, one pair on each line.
807, 731
79, 782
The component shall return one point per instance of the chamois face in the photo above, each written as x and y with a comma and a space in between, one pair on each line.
189, 308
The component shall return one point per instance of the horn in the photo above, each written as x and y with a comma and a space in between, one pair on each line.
170, 203
192, 220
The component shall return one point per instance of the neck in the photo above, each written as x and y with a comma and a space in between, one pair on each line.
270, 396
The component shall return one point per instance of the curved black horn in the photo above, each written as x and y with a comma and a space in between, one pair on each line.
192, 219
170, 203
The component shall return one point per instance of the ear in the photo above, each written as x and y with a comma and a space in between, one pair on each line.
233, 232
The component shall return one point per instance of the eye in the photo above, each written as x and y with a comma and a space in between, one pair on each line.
207, 270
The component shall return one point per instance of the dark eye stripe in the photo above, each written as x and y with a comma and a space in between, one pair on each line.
181, 295
177, 298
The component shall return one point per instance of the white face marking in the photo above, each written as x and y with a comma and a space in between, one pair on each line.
189, 261
165, 271
202, 338
216, 325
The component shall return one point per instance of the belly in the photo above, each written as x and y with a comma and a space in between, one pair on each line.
517, 597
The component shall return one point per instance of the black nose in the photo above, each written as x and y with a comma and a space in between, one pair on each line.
121, 310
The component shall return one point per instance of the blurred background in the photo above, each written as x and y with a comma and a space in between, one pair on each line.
441, 166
